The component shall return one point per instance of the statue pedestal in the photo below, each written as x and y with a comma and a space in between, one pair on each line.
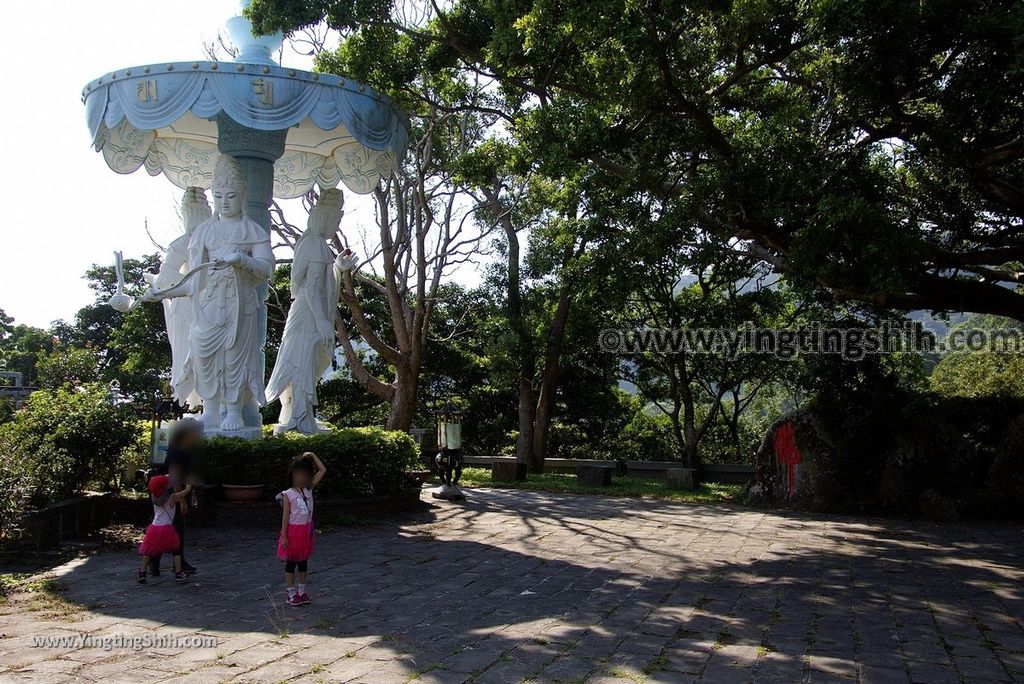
249, 432
321, 429
448, 493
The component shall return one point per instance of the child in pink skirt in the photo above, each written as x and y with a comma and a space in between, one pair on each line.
161, 537
296, 541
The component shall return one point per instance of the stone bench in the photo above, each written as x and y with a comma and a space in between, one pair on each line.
507, 471
590, 474
681, 478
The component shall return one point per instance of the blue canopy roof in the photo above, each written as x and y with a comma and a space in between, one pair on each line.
162, 116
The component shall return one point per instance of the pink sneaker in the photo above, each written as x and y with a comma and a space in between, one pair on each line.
303, 599
292, 600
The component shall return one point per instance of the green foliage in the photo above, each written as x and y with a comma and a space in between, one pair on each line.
648, 437
870, 146
68, 367
359, 461
707, 492
343, 403
15, 491
6, 410
65, 441
20, 349
986, 372
870, 441
979, 374
132, 347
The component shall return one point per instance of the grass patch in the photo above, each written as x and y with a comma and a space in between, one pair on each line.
44, 595
10, 581
326, 623
624, 673
639, 487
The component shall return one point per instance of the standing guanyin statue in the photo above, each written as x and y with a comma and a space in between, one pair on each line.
232, 257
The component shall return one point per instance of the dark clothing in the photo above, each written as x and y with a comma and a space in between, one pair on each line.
290, 566
179, 527
184, 462
183, 458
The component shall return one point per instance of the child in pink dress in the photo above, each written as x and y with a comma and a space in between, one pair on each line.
295, 544
161, 537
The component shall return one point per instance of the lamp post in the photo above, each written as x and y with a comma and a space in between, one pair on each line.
115, 392
164, 408
449, 456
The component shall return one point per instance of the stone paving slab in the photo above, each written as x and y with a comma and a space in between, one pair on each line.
514, 586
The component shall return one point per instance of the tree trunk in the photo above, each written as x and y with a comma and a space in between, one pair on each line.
527, 406
403, 403
527, 361
690, 431
549, 378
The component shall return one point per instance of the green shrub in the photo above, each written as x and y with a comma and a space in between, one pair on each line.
359, 461
14, 494
7, 410
648, 437
65, 441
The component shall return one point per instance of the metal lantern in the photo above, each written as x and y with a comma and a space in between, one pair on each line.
449, 457
165, 408
115, 392
449, 428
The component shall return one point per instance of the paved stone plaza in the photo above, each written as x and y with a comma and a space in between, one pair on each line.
518, 585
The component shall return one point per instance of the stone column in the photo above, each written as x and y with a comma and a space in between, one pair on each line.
256, 152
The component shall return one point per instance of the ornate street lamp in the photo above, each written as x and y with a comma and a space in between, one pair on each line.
449, 456
164, 408
115, 392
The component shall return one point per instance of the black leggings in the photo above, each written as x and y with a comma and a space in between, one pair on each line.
290, 566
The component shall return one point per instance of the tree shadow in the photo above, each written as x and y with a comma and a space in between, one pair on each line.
510, 585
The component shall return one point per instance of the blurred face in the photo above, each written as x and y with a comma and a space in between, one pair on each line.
228, 202
190, 439
301, 479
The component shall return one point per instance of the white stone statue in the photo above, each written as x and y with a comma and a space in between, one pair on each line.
178, 311
231, 257
308, 344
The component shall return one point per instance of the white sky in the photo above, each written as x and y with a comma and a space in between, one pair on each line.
64, 209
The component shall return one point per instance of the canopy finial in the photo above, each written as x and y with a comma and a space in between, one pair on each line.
252, 49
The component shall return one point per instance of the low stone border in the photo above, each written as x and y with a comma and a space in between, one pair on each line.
68, 519
268, 513
76, 518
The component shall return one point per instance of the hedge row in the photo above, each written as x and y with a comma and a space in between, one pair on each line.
359, 461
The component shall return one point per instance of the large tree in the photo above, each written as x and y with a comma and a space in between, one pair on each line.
424, 230
870, 148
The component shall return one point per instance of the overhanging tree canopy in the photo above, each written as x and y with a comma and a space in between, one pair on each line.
871, 148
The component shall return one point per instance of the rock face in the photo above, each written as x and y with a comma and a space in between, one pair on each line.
1006, 476
802, 484
920, 466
